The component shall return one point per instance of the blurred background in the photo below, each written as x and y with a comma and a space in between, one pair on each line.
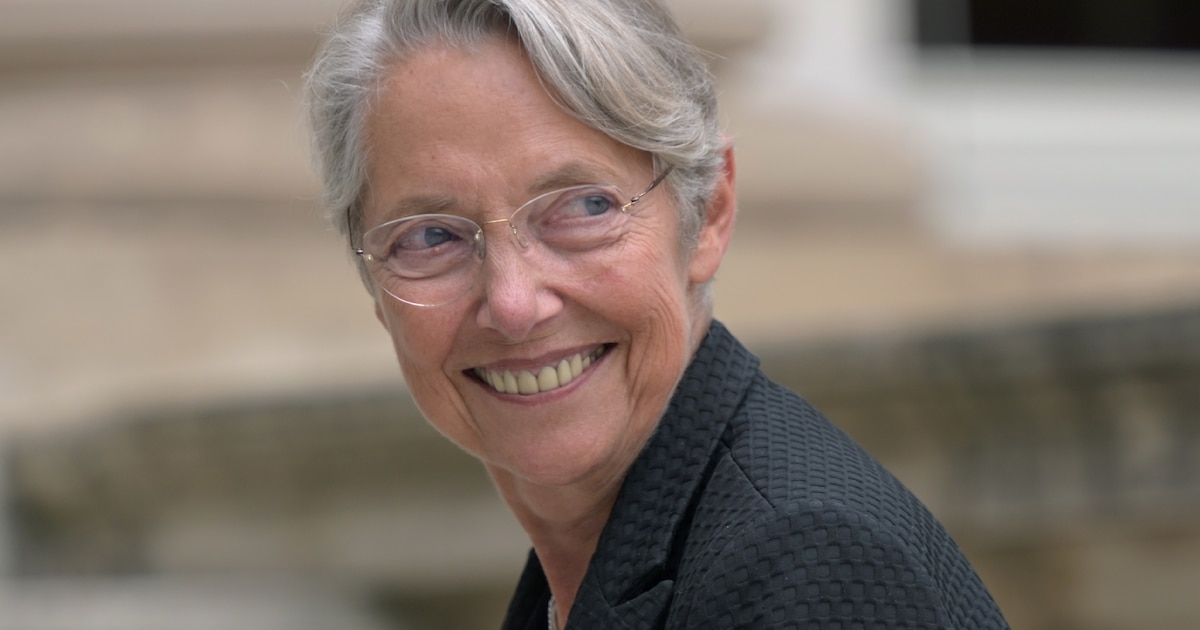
970, 232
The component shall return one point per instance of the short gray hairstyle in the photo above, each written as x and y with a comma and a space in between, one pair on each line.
621, 67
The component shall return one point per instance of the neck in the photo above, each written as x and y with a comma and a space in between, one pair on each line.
564, 525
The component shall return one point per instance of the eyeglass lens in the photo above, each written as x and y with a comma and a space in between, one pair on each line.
433, 259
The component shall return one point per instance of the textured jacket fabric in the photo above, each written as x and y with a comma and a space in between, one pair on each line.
748, 509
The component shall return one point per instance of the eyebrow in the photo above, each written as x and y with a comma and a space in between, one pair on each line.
570, 174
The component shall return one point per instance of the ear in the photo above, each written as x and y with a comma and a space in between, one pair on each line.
718, 226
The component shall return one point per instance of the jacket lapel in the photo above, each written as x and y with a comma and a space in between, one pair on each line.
631, 578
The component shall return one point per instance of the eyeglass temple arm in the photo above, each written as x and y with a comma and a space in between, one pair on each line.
354, 249
654, 184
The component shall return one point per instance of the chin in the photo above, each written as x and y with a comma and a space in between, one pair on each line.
565, 465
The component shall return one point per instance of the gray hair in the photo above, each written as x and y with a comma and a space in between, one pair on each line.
620, 66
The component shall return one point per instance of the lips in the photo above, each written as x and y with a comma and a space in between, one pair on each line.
540, 380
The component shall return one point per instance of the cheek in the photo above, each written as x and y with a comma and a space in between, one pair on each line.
650, 260
646, 286
422, 343
647, 295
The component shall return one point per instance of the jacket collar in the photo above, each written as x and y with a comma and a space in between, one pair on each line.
630, 580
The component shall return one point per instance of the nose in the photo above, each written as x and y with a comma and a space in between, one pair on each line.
517, 295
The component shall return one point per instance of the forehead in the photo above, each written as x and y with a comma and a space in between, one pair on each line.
476, 124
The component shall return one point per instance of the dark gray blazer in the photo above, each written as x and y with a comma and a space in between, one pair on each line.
748, 509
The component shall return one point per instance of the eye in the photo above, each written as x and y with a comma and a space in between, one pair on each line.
426, 237
421, 242
423, 235
594, 205
580, 203
578, 219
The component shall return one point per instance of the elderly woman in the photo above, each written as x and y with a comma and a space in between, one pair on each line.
539, 195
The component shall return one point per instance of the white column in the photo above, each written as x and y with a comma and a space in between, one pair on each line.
841, 53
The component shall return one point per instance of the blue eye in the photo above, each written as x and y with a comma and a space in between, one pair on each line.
434, 236
426, 237
420, 238
580, 202
421, 247
577, 219
595, 205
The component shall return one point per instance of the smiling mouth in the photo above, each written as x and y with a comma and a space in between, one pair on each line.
540, 380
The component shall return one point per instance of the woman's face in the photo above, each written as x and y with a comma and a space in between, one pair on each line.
475, 131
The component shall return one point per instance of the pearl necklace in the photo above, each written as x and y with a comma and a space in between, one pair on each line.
552, 615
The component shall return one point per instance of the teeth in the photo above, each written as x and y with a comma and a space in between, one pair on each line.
546, 379
527, 383
563, 373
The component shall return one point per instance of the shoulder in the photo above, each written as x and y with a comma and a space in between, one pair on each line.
826, 565
796, 522
792, 454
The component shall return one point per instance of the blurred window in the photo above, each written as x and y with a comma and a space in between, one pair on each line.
1163, 25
